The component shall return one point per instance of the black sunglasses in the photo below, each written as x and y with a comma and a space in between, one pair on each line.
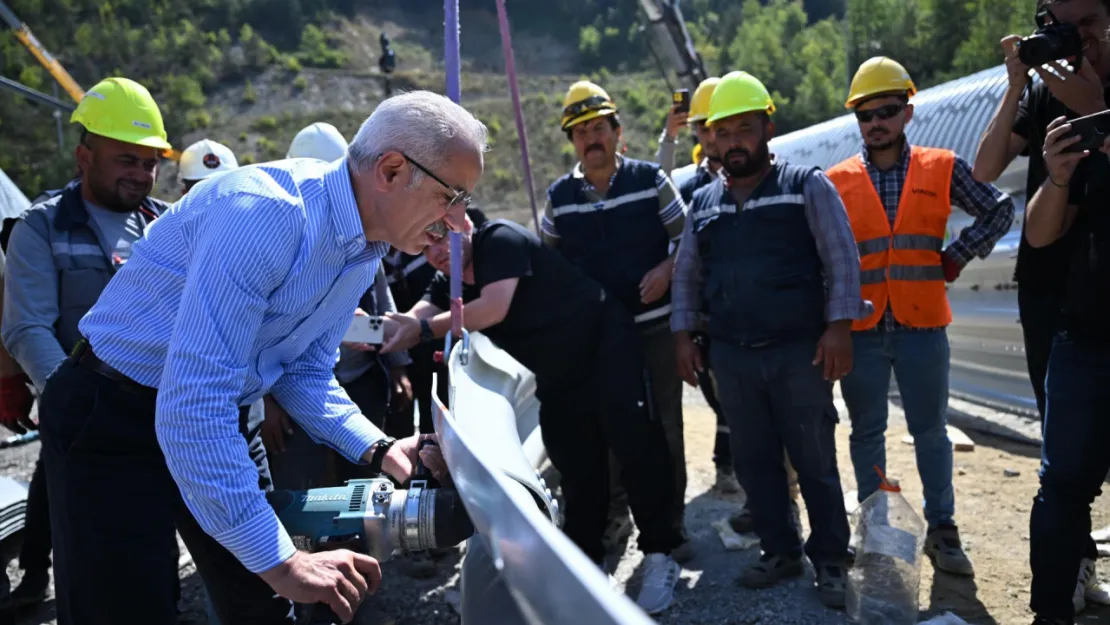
883, 112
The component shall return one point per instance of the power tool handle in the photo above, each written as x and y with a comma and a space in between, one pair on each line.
422, 472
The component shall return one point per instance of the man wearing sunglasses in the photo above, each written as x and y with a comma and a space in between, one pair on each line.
615, 218
899, 198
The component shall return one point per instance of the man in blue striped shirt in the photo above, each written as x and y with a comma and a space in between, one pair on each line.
244, 288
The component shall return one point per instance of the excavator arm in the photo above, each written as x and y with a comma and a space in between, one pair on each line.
27, 38
667, 32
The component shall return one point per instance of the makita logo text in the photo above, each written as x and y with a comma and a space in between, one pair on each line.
923, 192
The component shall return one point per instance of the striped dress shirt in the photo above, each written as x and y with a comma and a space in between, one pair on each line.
245, 287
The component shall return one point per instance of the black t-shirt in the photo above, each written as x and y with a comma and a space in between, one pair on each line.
1087, 305
1040, 269
554, 306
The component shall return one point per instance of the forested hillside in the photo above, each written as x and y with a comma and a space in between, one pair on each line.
250, 73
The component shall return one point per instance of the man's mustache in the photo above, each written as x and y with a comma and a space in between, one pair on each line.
737, 152
594, 146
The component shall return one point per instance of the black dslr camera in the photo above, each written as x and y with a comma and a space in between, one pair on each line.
1052, 41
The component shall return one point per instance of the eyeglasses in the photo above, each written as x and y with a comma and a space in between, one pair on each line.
883, 112
457, 195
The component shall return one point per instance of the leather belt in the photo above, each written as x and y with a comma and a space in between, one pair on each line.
83, 355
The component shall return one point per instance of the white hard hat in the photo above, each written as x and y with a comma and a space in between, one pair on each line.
204, 159
320, 140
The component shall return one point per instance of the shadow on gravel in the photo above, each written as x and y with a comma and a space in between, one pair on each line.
960, 596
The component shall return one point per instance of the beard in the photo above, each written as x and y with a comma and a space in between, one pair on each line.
122, 196
883, 140
750, 165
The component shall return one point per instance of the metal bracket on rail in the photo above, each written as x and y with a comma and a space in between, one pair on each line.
464, 353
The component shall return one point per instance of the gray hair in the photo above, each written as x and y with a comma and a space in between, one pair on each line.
426, 125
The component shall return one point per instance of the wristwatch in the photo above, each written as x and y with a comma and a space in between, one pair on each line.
426, 335
380, 449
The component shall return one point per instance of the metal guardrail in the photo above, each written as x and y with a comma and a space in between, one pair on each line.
520, 569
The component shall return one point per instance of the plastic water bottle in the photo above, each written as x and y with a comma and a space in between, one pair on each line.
883, 582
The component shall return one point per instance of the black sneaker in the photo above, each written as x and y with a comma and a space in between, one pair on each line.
831, 584
770, 570
1044, 620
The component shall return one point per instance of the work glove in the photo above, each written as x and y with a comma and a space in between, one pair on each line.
952, 269
16, 402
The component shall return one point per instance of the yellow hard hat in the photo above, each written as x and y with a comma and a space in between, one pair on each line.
123, 110
878, 75
696, 154
699, 104
585, 101
737, 93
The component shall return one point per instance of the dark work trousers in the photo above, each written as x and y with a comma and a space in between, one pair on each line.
1040, 322
114, 506
592, 401
307, 464
1040, 316
34, 554
722, 449
775, 397
657, 346
1074, 462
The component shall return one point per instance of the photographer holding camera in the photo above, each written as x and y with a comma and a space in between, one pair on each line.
1065, 27
1071, 202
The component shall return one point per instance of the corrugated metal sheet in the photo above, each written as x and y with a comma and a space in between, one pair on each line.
952, 115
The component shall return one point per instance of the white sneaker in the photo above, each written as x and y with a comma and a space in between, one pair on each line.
660, 576
1087, 580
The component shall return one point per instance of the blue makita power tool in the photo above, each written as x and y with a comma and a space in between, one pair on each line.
387, 519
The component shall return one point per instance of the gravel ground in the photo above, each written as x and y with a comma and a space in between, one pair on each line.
992, 508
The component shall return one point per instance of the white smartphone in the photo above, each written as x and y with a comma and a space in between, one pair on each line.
365, 330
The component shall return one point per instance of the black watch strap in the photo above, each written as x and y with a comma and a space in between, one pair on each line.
380, 450
425, 332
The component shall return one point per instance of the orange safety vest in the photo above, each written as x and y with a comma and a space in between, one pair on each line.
901, 267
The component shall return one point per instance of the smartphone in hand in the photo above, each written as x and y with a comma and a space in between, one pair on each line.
1092, 131
365, 329
681, 99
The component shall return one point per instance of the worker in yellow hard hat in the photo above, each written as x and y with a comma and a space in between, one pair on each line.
902, 193
706, 163
64, 251
769, 251
615, 218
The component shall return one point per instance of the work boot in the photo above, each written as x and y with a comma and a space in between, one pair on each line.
770, 570
1044, 620
831, 585
660, 576
1087, 580
942, 545
32, 589
617, 532
726, 480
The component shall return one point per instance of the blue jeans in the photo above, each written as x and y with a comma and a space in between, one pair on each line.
773, 398
1074, 462
919, 360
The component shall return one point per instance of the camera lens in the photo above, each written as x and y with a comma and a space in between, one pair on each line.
1036, 50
